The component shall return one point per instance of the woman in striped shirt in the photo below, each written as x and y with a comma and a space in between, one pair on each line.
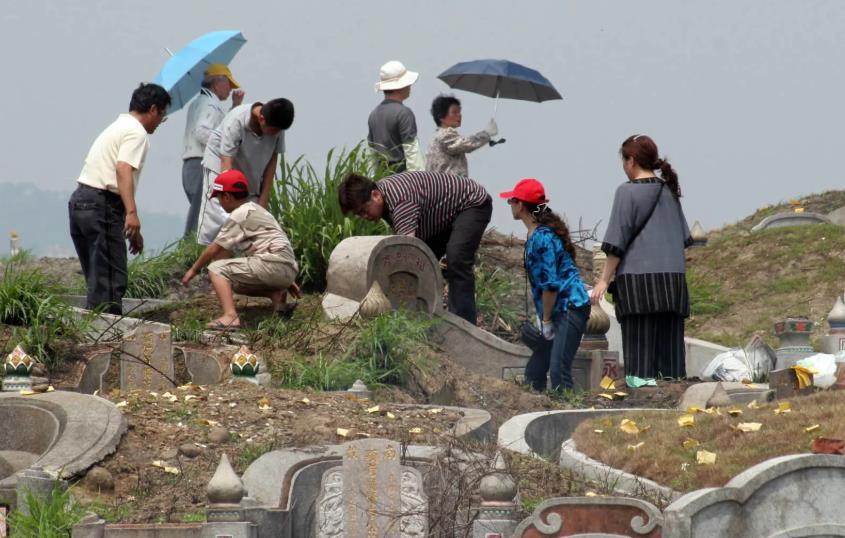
645, 242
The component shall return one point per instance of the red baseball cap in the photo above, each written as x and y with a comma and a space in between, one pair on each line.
229, 181
527, 190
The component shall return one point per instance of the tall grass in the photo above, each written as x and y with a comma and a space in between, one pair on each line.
151, 276
52, 516
42, 323
305, 203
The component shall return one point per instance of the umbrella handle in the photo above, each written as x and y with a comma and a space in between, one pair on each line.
496, 104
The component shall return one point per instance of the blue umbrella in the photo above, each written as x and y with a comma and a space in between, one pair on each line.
182, 75
500, 78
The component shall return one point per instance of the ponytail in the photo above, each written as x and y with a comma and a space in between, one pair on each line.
669, 176
546, 217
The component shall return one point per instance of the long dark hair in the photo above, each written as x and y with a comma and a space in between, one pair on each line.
546, 217
644, 151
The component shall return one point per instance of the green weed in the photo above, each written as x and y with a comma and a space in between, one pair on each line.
386, 342
320, 373
52, 516
305, 203
151, 276
492, 289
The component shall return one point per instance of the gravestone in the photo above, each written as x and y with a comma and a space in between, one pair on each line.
146, 358
371, 495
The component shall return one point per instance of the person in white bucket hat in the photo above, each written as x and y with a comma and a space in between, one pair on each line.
392, 125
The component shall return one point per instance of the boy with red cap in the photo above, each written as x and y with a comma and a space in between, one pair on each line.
268, 267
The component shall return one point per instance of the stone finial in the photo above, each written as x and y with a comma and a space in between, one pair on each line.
225, 486
13, 244
375, 302
599, 261
359, 389
836, 317
698, 235
498, 488
598, 323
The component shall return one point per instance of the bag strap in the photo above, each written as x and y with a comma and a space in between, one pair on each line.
648, 217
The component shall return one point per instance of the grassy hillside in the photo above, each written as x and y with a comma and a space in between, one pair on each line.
742, 282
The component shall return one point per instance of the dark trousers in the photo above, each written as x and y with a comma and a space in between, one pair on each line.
192, 183
556, 356
97, 218
653, 345
460, 243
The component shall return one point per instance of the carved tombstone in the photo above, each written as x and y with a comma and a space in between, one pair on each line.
146, 358
372, 495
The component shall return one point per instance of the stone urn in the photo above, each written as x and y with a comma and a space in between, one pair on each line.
245, 363
374, 303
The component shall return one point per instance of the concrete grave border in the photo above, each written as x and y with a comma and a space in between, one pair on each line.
695, 512
783, 219
553, 523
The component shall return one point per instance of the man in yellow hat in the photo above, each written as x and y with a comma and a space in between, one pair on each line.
204, 115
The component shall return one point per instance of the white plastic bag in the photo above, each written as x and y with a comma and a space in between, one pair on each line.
729, 365
823, 366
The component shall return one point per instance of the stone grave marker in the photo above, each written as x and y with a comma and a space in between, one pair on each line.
145, 355
372, 495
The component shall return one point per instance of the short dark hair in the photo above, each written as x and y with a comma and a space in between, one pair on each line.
147, 95
354, 191
278, 113
440, 107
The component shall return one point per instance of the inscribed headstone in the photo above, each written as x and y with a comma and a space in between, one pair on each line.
372, 495
146, 358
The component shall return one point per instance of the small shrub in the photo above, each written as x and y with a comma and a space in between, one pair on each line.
49, 517
151, 276
385, 345
305, 203
320, 373
493, 288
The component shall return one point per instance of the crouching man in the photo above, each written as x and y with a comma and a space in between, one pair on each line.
268, 266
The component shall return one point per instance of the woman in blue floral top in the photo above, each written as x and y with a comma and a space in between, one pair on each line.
562, 302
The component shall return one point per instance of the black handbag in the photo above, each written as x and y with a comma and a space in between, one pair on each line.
531, 335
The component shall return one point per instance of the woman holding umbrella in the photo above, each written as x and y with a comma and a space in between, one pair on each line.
560, 297
644, 243
447, 151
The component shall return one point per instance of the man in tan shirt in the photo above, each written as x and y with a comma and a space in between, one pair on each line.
268, 267
102, 210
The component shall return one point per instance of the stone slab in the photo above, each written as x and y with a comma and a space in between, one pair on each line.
146, 359
785, 384
704, 395
478, 350
370, 489
404, 267
204, 368
131, 307
92, 377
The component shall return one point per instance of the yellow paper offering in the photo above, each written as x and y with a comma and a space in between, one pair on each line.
803, 375
607, 383
690, 443
629, 426
686, 421
749, 426
702, 457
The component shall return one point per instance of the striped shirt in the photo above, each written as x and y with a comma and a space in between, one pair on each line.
425, 204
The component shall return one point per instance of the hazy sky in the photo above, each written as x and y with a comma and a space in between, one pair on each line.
744, 97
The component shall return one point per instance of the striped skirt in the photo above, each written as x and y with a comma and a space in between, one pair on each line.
653, 345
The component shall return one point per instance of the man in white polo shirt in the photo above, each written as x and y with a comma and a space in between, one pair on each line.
249, 139
102, 209
204, 115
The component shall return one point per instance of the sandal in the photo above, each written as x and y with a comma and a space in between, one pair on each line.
218, 325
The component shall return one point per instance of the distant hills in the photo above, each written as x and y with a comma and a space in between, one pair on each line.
41, 220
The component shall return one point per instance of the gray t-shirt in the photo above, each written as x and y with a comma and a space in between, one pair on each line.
391, 124
234, 138
659, 248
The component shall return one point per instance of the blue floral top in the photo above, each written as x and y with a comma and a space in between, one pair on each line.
551, 268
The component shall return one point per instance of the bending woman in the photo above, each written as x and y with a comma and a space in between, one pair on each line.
644, 243
560, 297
